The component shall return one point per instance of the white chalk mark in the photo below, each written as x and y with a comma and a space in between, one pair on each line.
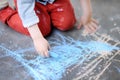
113, 57
116, 29
116, 60
98, 76
88, 71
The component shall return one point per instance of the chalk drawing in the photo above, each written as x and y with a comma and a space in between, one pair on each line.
115, 17
88, 72
65, 53
117, 29
118, 69
115, 20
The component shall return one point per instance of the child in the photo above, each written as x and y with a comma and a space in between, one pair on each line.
34, 18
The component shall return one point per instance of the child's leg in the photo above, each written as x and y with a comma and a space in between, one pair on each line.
62, 14
45, 22
10, 17
15, 22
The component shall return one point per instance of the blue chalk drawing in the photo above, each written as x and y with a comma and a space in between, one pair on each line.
65, 53
118, 69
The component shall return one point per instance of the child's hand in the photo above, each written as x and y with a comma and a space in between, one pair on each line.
90, 24
42, 46
86, 20
40, 43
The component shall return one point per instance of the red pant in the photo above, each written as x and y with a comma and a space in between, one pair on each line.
60, 14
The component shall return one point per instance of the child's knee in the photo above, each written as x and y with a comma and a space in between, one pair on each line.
65, 23
5, 14
15, 23
62, 17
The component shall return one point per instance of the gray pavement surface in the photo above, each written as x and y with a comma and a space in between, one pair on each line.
105, 11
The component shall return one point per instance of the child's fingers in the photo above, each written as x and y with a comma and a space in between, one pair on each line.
87, 29
46, 54
41, 53
90, 28
95, 21
94, 25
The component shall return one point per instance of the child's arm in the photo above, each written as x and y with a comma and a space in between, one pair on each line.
30, 20
86, 20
